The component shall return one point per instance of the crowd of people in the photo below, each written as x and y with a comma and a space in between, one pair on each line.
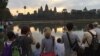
68, 45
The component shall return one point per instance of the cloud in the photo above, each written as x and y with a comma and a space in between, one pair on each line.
60, 4
52, 3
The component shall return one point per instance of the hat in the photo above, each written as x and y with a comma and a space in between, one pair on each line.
95, 23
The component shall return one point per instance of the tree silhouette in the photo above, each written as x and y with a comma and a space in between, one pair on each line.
25, 9
17, 11
3, 4
64, 10
4, 12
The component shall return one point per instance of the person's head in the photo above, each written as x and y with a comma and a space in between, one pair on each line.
95, 24
59, 40
25, 30
11, 36
90, 26
69, 26
38, 45
85, 28
98, 26
47, 31
64, 29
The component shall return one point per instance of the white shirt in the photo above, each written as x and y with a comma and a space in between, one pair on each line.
37, 52
98, 33
59, 49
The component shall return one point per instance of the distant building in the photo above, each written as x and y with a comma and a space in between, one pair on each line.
98, 11
52, 14
40, 9
20, 14
55, 9
85, 9
46, 8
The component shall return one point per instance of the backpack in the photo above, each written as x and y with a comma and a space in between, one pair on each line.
15, 51
94, 44
10, 50
7, 51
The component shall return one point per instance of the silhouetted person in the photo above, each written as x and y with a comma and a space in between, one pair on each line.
37, 51
59, 48
48, 42
97, 29
7, 50
88, 40
73, 37
25, 41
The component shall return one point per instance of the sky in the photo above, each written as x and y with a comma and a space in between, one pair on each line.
17, 5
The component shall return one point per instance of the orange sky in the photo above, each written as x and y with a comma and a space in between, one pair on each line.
21, 10
31, 10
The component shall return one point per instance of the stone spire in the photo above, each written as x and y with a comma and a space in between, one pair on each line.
46, 8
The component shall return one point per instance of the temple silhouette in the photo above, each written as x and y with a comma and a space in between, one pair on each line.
48, 14
52, 14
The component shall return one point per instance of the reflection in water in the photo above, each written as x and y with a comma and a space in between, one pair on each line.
60, 29
37, 30
38, 36
53, 30
16, 29
32, 29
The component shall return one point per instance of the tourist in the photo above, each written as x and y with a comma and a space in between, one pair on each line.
89, 36
7, 50
69, 38
97, 29
98, 26
59, 48
25, 41
37, 51
64, 29
1, 38
48, 43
